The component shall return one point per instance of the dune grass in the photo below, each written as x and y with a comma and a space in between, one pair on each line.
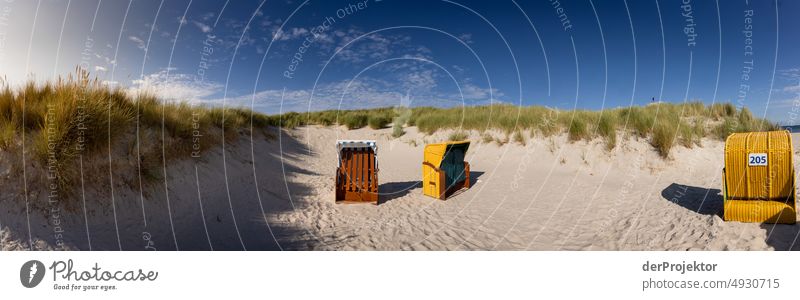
77, 115
458, 136
402, 116
663, 124
519, 138
577, 130
607, 129
487, 138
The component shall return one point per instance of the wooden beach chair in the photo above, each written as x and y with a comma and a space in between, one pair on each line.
357, 172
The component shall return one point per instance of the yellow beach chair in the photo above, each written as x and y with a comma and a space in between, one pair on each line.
758, 178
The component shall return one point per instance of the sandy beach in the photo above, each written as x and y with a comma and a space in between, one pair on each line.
276, 193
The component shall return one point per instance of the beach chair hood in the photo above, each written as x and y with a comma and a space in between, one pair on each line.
354, 144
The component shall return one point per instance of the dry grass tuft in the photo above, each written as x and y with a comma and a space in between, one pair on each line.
519, 138
458, 136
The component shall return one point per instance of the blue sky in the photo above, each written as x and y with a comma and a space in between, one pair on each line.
565, 54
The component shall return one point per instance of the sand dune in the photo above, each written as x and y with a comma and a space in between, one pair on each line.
549, 194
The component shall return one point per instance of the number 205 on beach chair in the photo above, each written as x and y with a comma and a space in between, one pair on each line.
758, 178
357, 171
444, 170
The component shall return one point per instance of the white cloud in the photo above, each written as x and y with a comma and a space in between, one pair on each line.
792, 74
175, 87
466, 38
423, 80
792, 88
358, 94
337, 95
367, 49
139, 42
374, 47
290, 34
203, 27
790, 95
780, 106
473, 92
107, 59
207, 16
100, 69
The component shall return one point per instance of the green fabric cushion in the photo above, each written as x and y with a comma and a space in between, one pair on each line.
453, 165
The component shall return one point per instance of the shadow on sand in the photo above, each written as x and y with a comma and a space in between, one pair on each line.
280, 198
709, 202
700, 200
232, 218
394, 190
783, 236
187, 211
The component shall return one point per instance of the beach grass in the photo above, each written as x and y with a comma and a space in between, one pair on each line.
607, 129
520, 138
78, 115
663, 124
458, 136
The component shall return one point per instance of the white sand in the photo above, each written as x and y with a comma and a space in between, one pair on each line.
547, 195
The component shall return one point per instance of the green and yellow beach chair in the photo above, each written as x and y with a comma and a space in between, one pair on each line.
444, 170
